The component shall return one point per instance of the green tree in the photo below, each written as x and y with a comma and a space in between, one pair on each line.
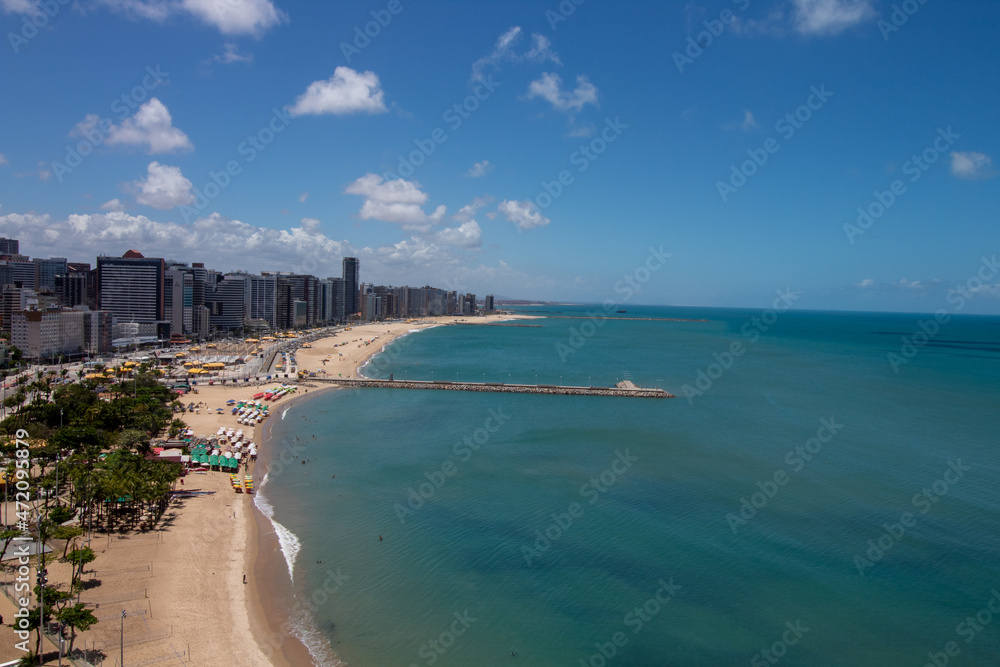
79, 558
67, 533
77, 617
34, 624
133, 439
6, 537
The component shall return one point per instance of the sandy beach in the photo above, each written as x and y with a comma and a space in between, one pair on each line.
182, 585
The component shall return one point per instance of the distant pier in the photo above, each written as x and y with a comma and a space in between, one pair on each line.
626, 388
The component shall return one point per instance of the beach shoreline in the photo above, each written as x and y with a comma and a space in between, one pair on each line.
225, 535
271, 578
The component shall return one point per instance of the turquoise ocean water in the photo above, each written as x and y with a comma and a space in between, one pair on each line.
803, 498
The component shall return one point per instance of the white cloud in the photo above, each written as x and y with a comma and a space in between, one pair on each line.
310, 224
581, 130
987, 289
231, 54
548, 87
345, 92
523, 214
112, 205
19, 6
225, 245
748, 122
905, 284
43, 173
397, 201
230, 17
504, 51
3, 159
971, 166
468, 212
221, 243
468, 235
828, 17
236, 17
151, 127
867, 283
164, 187
480, 169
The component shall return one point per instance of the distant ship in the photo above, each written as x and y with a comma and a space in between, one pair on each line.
622, 311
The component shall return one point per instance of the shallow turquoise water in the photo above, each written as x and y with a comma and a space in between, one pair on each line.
640, 499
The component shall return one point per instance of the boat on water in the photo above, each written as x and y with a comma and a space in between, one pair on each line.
622, 311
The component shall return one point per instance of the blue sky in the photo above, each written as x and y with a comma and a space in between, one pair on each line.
741, 137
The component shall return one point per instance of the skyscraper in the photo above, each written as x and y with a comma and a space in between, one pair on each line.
130, 287
9, 246
263, 300
352, 268
46, 271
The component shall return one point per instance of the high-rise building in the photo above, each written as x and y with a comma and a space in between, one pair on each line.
263, 300
469, 304
96, 331
228, 303
17, 272
78, 287
324, 312
199, 313
48, 334
352, 270
130, 287
13, 299
338, 293
9, 246
184, 305
488, 304
46, 271
173, 300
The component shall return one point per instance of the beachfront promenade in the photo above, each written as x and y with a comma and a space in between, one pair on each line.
622, 389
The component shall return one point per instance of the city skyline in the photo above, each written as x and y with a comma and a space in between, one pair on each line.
840, 149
